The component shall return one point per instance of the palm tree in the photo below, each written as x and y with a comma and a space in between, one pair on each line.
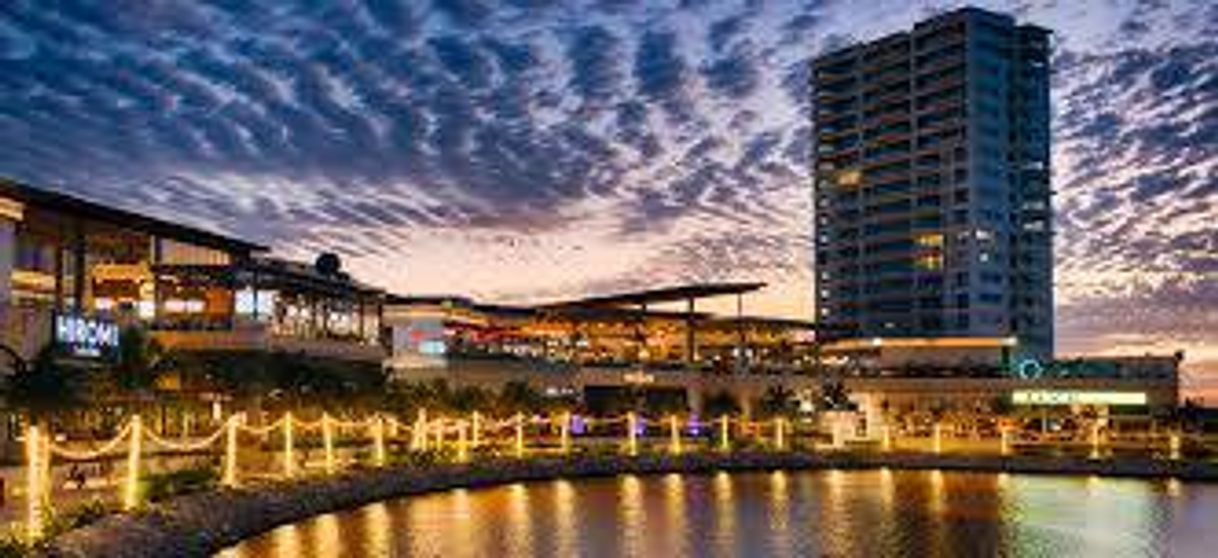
778, 401
45, 388
141, 364
721, 403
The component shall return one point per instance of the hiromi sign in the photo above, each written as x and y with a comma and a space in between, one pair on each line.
1077, 397
87, 337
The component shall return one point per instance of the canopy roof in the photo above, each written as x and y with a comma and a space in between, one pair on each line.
662, 295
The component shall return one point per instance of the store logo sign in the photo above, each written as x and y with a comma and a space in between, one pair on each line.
87, 337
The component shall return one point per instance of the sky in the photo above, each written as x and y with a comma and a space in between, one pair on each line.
529, 150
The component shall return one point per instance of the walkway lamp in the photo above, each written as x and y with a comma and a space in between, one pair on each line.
565, 432
289, 459
632, 434
725, 443
131, 486
674, 433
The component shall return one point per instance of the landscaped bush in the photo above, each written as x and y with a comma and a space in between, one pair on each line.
183, 481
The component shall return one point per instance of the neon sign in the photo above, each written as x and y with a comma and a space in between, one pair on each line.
87, 337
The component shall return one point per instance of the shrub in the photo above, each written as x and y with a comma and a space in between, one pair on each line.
183, 481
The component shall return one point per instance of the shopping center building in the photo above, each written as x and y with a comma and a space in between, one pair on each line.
74, 273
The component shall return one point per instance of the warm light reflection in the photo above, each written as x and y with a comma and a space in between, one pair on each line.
630, 510
566, 529
674, 515
520, 522
327, 538
378, 529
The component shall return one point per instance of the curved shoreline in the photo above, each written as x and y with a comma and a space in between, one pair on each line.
203, 524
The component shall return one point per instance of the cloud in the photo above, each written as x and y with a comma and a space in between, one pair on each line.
524, 148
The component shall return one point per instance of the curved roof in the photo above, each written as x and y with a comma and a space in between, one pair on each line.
661, 295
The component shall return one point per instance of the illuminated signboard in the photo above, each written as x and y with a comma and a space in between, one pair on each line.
88, 337
1077, 397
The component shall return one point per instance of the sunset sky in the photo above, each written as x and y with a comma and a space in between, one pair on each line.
526, 150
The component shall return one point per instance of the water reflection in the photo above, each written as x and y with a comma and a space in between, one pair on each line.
835, 513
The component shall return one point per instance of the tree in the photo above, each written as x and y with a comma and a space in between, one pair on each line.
520, 397
778, 401
834, 397
141, 363
44, 388
721, 403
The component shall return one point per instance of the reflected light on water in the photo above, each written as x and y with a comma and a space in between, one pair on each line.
378, 530
674, 515
780, 514
565, 525
767, 515
630, 510
520, 521
725, 513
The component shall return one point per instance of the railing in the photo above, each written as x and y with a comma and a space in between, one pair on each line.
247, 454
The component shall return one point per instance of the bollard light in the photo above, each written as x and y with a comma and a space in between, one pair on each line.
131, 486
327, 437
289, 457
462, 443
674, 433
887, 438
632, 434
475, 428
724, 440
34, 483
519, 436
565, 433
378, 441
938, 438
230, 451
1095, 440
1174, 446
780, 438
1006, 441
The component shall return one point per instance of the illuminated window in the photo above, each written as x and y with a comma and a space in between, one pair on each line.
849, 178
930, 240
930, 261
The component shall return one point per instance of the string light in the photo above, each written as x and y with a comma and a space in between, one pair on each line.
34, 483
632, 434
378, 441
462, 443
327, 436
475, 428
565, 433
131, 486
289, 459
519, 436
674, 434
230, 451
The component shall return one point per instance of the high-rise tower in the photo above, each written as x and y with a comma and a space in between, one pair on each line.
931, 184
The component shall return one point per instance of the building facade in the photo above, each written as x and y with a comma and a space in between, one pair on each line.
74, 272
931, 186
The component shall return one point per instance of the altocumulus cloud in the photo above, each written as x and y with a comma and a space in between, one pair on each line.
519, 149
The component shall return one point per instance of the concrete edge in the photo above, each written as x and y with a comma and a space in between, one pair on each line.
203, 524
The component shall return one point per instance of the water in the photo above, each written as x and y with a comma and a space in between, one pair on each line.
816, 513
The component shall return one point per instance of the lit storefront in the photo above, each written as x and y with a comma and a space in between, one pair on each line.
194, 290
